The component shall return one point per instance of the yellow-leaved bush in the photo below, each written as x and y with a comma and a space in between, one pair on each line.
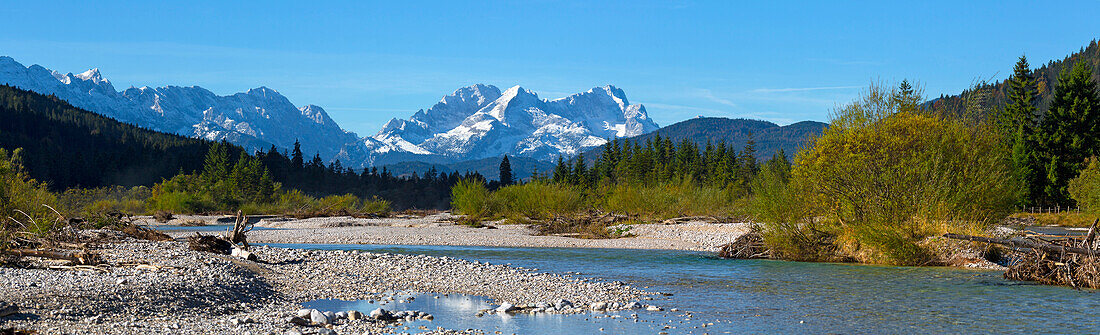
885, 175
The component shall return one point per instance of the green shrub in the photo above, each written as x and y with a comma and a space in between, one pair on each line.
180, 202
535, 200
1085, 189
25, 204
671, 199
470, 197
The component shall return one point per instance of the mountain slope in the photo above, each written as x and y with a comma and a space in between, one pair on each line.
69, 147
255, 119
480, 121
474, 122
769, 137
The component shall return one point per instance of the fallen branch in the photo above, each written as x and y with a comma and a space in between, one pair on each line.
79, 258
1024, 244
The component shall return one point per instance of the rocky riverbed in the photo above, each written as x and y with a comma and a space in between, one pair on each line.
162, 287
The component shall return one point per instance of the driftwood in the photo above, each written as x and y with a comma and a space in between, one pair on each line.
1017, 243
690, 219
747, 246
79, 257
236, 233
1066, 261
233, 243
209, 243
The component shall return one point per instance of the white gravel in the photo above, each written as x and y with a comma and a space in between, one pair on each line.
440, 230
164, 288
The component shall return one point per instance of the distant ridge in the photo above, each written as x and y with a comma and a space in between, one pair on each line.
769, 137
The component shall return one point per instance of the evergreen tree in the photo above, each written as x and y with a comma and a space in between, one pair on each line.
1018, 119
561, 171
579, 175
505, 172
297, 160
1069, 132
216, 166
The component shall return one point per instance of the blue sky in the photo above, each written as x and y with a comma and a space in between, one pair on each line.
366, 62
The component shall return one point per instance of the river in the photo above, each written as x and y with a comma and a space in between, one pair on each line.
757, 296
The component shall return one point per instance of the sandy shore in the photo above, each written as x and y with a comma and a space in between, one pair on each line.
440, 230
164, 288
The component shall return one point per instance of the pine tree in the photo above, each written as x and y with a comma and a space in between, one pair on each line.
1018, 119
505, 172
561, 171
297, 160
1069, 132
216, 166
579, 175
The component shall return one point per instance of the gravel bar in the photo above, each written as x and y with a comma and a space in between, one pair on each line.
164, 288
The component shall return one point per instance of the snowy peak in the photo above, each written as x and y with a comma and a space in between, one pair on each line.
256, 119
479, 121
93, 76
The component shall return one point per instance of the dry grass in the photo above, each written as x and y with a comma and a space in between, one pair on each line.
1063, 219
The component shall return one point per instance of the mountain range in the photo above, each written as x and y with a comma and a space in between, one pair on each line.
475, 122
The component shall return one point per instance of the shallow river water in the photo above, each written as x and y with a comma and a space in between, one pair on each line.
758, 296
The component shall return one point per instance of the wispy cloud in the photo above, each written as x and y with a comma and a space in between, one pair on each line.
802, 89
709, 95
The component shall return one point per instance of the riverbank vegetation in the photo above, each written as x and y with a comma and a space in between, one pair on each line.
629, 182
885, 176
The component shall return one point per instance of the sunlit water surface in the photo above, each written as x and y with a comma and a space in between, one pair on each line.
756, 296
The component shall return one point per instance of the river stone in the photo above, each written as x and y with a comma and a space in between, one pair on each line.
294, 320
304, 313
653, 308
355, 315
506, 307
633, 305
380, 314
599, 306
331, 316
542, 304
563, 304
8, 309
341, 315
318, 317
326, 331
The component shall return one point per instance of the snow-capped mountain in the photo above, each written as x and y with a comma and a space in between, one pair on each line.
481, 121
472, 123
255, 119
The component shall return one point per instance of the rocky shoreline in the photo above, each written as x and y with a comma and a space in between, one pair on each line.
163, 287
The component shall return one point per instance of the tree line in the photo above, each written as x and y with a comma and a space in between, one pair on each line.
1050, 145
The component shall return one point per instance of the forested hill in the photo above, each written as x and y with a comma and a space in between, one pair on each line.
522, 167
769, 137
1045, 77
70, 147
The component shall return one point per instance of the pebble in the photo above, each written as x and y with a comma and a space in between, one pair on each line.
319, 318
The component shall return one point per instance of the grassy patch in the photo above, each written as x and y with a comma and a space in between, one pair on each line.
1064, 219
